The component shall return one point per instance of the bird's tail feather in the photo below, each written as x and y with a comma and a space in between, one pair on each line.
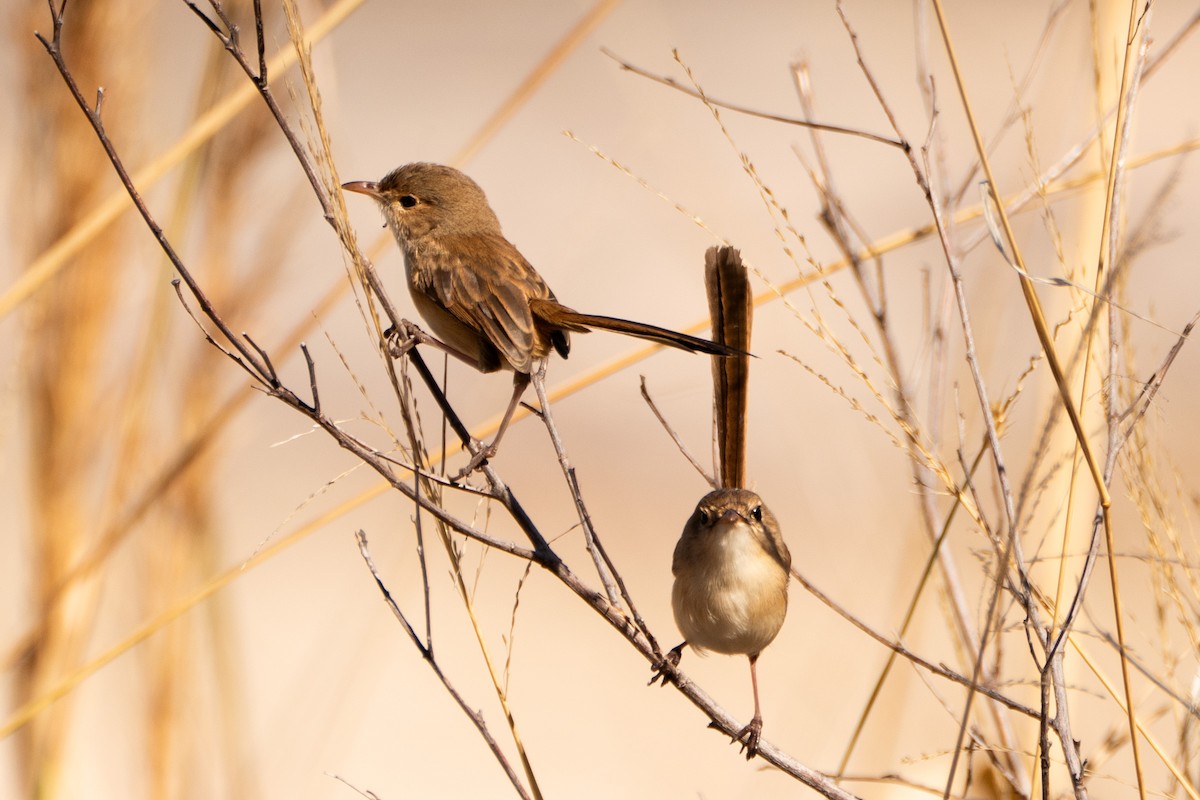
557, 315
732, 308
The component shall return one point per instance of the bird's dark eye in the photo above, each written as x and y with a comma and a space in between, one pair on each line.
756, 512
407, 200
705, 516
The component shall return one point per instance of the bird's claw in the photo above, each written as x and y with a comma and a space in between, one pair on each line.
749, 737
480, 458
663, 669
401, 338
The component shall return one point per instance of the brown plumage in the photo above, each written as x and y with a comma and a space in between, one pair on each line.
730, 304
731, 565
482, 299
731, 574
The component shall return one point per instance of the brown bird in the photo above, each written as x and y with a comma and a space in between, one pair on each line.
486, 303
731, 579
731, 564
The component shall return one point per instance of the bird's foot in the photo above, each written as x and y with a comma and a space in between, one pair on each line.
401, 338
750, 736
664, 668
480, 458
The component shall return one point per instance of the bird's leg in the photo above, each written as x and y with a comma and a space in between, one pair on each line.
520, 382
749, 736
667, 665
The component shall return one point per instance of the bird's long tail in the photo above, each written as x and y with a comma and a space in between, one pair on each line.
732, 308
556, 315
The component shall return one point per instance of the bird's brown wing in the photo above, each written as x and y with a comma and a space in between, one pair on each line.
487, 284
772, 541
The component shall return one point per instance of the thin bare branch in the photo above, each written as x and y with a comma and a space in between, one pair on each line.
427, 654
683, 451
677, 86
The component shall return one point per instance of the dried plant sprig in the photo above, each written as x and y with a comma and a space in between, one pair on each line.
779, 291
909, 616
898, 648
666, 426
1012, 546
840, 226
604, 567
1015, 111
202, 130
610, 576
1102, 294
1044, 337
427, 654
695, 92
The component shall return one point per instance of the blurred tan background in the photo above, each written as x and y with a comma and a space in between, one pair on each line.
294, 671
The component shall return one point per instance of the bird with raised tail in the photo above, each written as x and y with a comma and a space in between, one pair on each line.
731, 565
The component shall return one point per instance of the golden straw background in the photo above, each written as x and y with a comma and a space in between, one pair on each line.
186, 610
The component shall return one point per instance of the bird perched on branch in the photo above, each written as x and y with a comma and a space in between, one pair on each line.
486, 304
731, 565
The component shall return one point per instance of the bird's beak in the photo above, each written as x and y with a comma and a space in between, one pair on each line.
731, 517
369, 188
